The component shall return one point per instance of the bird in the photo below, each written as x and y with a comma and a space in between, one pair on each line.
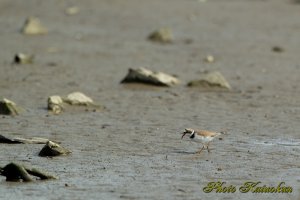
201, 136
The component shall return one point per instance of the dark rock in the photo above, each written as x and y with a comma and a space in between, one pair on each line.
8, 107
52, 149
17, 172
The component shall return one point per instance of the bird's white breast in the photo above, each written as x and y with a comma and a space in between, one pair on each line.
202, 139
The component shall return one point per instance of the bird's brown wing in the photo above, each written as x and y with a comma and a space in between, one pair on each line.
206, 133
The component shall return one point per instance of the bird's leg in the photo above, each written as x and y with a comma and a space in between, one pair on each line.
200, 150
207, 147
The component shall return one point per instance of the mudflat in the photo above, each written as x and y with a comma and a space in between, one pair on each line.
132, 149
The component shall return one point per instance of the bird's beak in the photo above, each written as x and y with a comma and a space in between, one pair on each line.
183, 134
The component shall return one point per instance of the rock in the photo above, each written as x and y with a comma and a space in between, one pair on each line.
33, 26
209, 59
21, 58
33, 140
8, 107
142, 75
17, 172
277, 49
163, 35
188, 41
52, 50
212, 79
53, 149
78, 98
55, 104
6, 140
73, 10
17, 140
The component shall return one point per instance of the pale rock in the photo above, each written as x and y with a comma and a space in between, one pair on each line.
21, 58
55, 104
33, 26
213, 79
73, 10
142, 75
78, 98
163, 35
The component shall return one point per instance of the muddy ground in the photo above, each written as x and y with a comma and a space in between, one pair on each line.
132, 149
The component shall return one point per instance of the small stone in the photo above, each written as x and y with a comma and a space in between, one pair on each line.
8, 107
212, 79
188, 41
33, 26
52, 50
163, 35
78, 36
209, 59
52, 64
73, 10
78, 98
278, 49
142, 75
21, 58
55, 104
53, 149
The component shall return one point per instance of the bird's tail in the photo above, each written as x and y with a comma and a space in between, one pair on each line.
221, 133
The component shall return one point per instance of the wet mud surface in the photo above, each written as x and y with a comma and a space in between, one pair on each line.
132, 149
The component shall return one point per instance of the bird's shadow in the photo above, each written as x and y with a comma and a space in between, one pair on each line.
184, 152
